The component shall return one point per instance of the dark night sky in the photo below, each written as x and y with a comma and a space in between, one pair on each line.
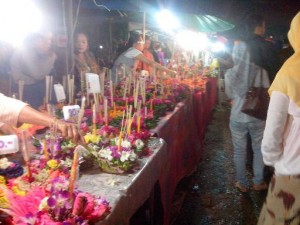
278, 13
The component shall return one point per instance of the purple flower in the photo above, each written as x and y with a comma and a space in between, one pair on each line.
51, 202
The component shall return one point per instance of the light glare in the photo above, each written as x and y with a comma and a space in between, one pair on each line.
192, 41
167, 21
17, 20
217, 47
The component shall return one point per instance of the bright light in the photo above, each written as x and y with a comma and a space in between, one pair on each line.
167, 21
100, 46
17, 20
192, 41
217, 47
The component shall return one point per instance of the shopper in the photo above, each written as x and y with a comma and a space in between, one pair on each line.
281, 142
238, 79
262, 52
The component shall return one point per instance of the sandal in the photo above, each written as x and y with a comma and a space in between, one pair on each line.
260, 187
241, 188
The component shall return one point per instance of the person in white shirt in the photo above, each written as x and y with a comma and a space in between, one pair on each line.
281, 140
238, 80
14, 112
130, 58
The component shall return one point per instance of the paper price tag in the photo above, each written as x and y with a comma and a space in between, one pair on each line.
71, 112
9, 144
92, 83
59, 92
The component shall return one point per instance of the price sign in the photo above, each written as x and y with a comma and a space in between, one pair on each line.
9, 144
71, 113
92, 83
59, 92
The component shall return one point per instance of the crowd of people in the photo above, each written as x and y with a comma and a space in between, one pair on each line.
274, 142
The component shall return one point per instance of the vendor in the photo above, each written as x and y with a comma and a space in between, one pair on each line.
85, 61
149, 55
14, 112
32, 64
131, 57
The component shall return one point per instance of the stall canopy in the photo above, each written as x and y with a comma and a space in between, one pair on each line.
200, 23
204, 23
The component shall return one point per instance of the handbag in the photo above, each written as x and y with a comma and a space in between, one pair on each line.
257, 101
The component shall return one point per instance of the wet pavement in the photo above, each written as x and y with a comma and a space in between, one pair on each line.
208, 196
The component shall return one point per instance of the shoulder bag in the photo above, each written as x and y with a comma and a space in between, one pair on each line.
257, 100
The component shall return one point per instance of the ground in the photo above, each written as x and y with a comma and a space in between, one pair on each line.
208, 196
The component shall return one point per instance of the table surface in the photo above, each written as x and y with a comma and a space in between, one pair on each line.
177, 153
126, 192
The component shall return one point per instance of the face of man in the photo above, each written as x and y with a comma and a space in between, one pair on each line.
261, 30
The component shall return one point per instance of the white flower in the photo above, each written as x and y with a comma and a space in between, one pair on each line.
132, 156
139, 144
124, 156
105, 153
67, 162
4, 163
126, 144
43, 204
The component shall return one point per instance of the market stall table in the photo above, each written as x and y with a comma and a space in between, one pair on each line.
183, 136
127, 192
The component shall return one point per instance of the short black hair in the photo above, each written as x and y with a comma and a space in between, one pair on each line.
254, 20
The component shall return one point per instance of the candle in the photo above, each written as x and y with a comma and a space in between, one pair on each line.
26, 154
83, 103
111, 91
126, 103
81, 112
139, 124
151, 105
102, 78
73, 174
105, 112
94, 119
129, 126
125, 88
47, 89
100, 117
82, 82
120, 141
21, 89
50, 88
136, 94
46, 153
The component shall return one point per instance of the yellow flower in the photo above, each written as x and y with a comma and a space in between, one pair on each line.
18, 191
91, 138
4, 203
53, 164
2, 180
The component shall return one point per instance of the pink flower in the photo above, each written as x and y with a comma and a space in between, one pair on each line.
86, 207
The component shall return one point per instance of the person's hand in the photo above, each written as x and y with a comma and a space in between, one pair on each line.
68, 130
171, 72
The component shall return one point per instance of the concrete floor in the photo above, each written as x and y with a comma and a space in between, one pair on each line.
208, 197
